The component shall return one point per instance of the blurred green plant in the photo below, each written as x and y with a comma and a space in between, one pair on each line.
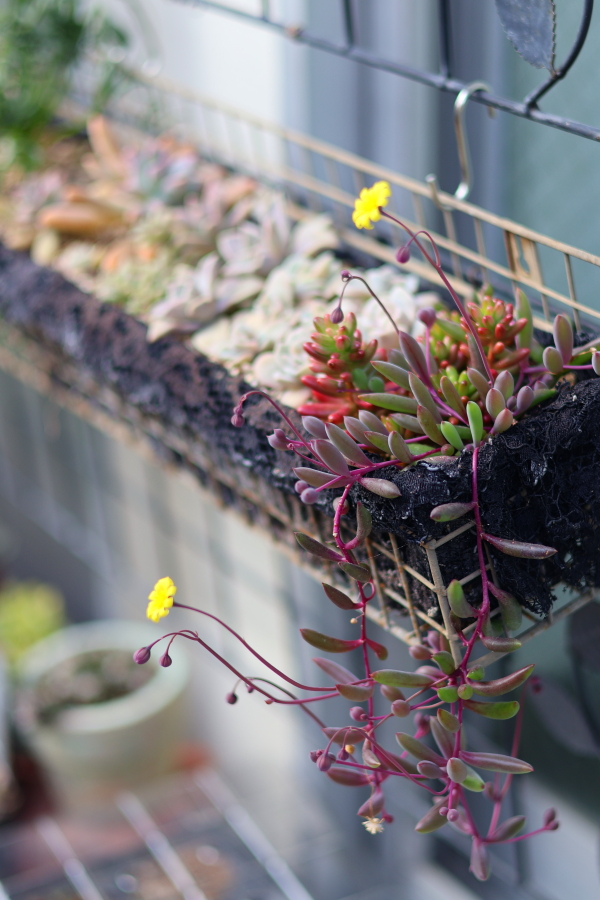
29, 611
41, 41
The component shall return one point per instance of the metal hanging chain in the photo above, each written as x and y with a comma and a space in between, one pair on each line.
442, 80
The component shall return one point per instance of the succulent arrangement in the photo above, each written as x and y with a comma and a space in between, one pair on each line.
474, 373
195, 251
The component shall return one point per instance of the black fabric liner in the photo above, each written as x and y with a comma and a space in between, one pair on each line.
539, 482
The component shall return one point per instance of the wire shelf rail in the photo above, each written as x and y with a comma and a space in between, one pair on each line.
349, 47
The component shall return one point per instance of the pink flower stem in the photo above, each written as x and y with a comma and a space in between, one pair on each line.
261, 659
437, 265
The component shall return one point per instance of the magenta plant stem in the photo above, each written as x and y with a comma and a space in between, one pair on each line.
261, 659
437, 265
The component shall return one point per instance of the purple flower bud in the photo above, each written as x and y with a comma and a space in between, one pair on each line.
165, 660
142, 655
231, 698
345, 275
250, 688
443, 811
427, 316
433, 639
309, 496
403, 254
337, 315
276, 442
418, 651
325, 761
343, 754
421, 720
549, 816
358, 714
345, 508
237, 420
453, 815
300, 486
401, 708
315, 754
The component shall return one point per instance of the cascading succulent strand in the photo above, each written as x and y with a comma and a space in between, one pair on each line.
477, 371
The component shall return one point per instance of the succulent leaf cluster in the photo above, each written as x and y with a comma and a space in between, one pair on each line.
475, 373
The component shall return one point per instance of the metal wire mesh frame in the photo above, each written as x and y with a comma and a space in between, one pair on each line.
318, 176
349, 48
321, 177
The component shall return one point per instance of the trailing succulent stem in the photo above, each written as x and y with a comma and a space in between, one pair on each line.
475, 372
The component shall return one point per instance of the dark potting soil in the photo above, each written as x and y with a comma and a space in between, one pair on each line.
539, 482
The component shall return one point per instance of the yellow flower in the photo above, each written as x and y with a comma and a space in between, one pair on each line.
373, 825
161, 599
366, 208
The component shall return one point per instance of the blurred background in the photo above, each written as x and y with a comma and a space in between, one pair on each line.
95, 525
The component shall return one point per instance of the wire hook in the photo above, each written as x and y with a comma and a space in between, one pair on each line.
464, 156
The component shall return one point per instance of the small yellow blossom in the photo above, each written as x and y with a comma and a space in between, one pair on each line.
367, 207
373, 825
161, 599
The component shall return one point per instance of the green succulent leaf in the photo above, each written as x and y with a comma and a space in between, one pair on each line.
505, 709
393, 402
475, 422
503, 685
399, 679
447, 512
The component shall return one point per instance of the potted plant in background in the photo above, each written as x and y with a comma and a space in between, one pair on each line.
95, 726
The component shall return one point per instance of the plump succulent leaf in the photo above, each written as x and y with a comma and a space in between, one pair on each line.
356, 571
396, 678
317, 549
447, 512
496, 762
522, 549
381, 487
335, 671
346, 445
324, 642
505, 684
504, 709
338, 598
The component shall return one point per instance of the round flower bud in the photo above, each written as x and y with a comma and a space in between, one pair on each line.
345, 275
309, 496
403, 254
325, 761
401, 708
300, 486
418, 651
549, 816
337, 315
231, 698
237, 420
358, 714
421, 720
277, 442
453, 815
443, 811
314, 755
427, 316
165, 660
142, 655
343, 754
